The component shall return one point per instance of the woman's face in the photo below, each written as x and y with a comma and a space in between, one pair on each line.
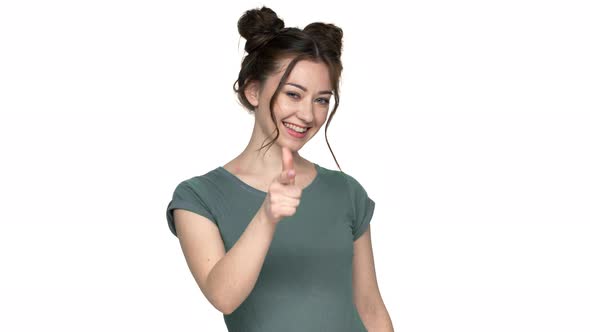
304, 101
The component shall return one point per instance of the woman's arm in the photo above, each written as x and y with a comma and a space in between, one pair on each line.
233, 277
367, 297
226, 279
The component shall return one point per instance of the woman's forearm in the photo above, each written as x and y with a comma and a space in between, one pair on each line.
233, 277
377, 320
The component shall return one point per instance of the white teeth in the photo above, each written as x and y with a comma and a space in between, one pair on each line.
297, 129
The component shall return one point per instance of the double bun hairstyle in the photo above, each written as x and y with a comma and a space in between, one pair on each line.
268, 42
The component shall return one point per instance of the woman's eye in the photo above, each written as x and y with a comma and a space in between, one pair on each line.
324, 101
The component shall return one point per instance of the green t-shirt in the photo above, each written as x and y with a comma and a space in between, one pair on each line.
305, 283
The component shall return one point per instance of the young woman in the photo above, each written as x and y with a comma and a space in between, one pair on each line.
274, 241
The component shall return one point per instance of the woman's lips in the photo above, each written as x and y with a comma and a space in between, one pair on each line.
295, 133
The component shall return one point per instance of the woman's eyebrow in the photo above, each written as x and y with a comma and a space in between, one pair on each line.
305, 89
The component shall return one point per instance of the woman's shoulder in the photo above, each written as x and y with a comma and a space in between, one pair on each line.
333, 174
341, 178
201, 180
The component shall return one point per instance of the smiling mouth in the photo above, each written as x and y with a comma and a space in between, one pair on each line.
294, 133
285, 123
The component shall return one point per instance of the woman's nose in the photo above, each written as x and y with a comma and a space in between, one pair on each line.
306, 112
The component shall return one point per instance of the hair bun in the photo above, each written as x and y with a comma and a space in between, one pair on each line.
257, 25
328, 35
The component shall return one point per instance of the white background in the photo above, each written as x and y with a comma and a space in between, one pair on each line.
467, 122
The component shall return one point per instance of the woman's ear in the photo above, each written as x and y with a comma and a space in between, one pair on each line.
252, 92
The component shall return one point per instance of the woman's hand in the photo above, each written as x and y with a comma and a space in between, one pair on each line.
283, 196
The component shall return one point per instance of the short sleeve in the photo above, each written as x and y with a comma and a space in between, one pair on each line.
189, 195
362, 205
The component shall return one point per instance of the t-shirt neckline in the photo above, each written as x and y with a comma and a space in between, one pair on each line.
248, 187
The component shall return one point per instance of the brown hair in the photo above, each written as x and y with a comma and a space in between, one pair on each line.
268, 41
